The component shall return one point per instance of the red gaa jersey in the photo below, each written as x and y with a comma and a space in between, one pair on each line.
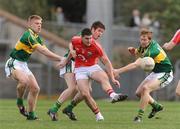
86, 55
176, 38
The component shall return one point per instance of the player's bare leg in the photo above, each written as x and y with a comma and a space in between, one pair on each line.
102, 78
145, 99
66, 94
71, 90
32, 97
68, 110
22, 79
84, 90
178, 89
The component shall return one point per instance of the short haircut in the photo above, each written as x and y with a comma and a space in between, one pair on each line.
86, 31
98, 24
146, 31
34, 17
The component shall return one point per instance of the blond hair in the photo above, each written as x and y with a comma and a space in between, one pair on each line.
34, 17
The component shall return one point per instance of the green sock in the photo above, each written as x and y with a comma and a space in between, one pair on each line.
140, 113
71, 105
56, 106
32, 114
19, 101
155, 104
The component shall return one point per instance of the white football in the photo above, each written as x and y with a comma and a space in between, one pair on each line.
147, 64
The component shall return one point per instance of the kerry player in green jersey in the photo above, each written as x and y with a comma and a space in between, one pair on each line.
160, 76
17, 68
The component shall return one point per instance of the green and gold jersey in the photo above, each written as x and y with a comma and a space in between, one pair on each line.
26, 45
162, 62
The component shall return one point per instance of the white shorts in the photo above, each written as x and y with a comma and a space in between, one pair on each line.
86, 72
165, 78
69, 68
15, 64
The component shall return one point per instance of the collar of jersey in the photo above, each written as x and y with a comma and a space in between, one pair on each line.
32, 32
146, 48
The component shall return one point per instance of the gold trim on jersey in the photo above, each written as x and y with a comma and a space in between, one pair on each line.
33, 33
33, 45
22, 46
160, 57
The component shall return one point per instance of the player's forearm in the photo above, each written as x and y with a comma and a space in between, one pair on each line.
169, 46
53, 56
109, 69
71, 47
127, 68
48, 53
68, 58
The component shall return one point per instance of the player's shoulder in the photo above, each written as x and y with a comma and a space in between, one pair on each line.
98, 44
177, 33
154, 43
25, 36
76, 38
26, 33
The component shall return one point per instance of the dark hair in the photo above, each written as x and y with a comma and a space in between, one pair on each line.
86, 31
98, 24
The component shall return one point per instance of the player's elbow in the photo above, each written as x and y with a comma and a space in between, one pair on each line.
169, 48
41, 50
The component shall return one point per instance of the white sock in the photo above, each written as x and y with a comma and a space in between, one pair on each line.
99, 117
113, 94
98, 114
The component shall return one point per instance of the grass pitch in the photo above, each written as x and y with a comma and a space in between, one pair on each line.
117, 116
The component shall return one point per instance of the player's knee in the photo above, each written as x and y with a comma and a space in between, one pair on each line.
104, 78
141, 91
138, 94
23, 82
35, 90
20, 87
104, 81
74, 89
145, 88
85, 95
178, 92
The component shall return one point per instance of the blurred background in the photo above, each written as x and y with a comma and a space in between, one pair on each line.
64, 18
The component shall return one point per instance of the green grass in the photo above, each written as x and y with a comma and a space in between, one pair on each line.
117, 116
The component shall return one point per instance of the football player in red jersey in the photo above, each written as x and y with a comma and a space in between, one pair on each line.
169, 46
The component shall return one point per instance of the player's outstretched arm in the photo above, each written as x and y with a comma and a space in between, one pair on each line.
64, 61
105, 60
72, 51
169, 46
128, 67
45, 51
